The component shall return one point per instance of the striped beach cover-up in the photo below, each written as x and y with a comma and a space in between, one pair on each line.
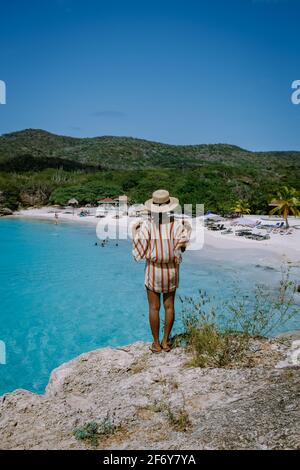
160, 245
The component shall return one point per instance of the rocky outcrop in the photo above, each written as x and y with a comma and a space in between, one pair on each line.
34, 198
157, 402
5, 211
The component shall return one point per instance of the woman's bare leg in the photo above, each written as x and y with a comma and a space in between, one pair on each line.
169, 317
154, 306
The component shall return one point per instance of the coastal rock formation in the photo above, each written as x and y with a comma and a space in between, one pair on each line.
157, 402
5, 211
34, 198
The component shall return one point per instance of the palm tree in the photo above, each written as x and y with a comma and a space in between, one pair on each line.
241, 207
285, 203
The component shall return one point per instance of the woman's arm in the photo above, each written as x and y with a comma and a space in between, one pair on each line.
141, 239
182, 235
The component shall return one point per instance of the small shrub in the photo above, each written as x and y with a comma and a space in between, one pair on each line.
89, 432
157, 406
269, 309
219, 337
93, 431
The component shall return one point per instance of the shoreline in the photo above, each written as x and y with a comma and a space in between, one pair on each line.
284, 247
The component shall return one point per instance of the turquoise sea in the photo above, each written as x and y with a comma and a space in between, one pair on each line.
61, 295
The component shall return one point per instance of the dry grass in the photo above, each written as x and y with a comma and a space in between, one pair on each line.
176, 416
139, 365
220, 336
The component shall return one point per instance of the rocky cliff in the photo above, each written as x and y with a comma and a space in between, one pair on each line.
137, 400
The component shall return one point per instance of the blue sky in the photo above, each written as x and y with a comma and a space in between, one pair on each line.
179, 71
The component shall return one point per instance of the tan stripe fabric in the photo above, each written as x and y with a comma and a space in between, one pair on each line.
160, 246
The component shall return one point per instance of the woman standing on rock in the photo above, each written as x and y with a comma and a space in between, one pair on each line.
160, 241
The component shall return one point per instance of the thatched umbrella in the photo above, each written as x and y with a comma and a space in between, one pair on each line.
73, 202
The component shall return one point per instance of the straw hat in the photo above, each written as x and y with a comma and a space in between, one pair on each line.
161, 201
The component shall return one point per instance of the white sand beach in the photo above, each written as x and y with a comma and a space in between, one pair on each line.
281, 245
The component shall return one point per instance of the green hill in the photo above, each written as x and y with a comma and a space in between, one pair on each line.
114, 152
129, 153
38, 162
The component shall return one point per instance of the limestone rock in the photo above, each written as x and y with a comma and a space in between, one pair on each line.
5, 211
158, 402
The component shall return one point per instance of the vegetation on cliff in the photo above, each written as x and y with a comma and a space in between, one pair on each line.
45, 168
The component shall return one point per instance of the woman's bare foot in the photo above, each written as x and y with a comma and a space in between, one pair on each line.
155, 348
165, 345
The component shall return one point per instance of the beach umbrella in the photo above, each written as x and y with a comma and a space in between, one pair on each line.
211, 216
73, 202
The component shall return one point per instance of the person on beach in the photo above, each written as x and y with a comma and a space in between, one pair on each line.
160, 241
56, 217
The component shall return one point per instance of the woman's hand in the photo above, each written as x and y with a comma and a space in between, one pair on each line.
137, 225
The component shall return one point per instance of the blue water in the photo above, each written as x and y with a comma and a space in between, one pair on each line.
61, 295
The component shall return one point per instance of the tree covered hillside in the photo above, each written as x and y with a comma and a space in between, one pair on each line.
37, 167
